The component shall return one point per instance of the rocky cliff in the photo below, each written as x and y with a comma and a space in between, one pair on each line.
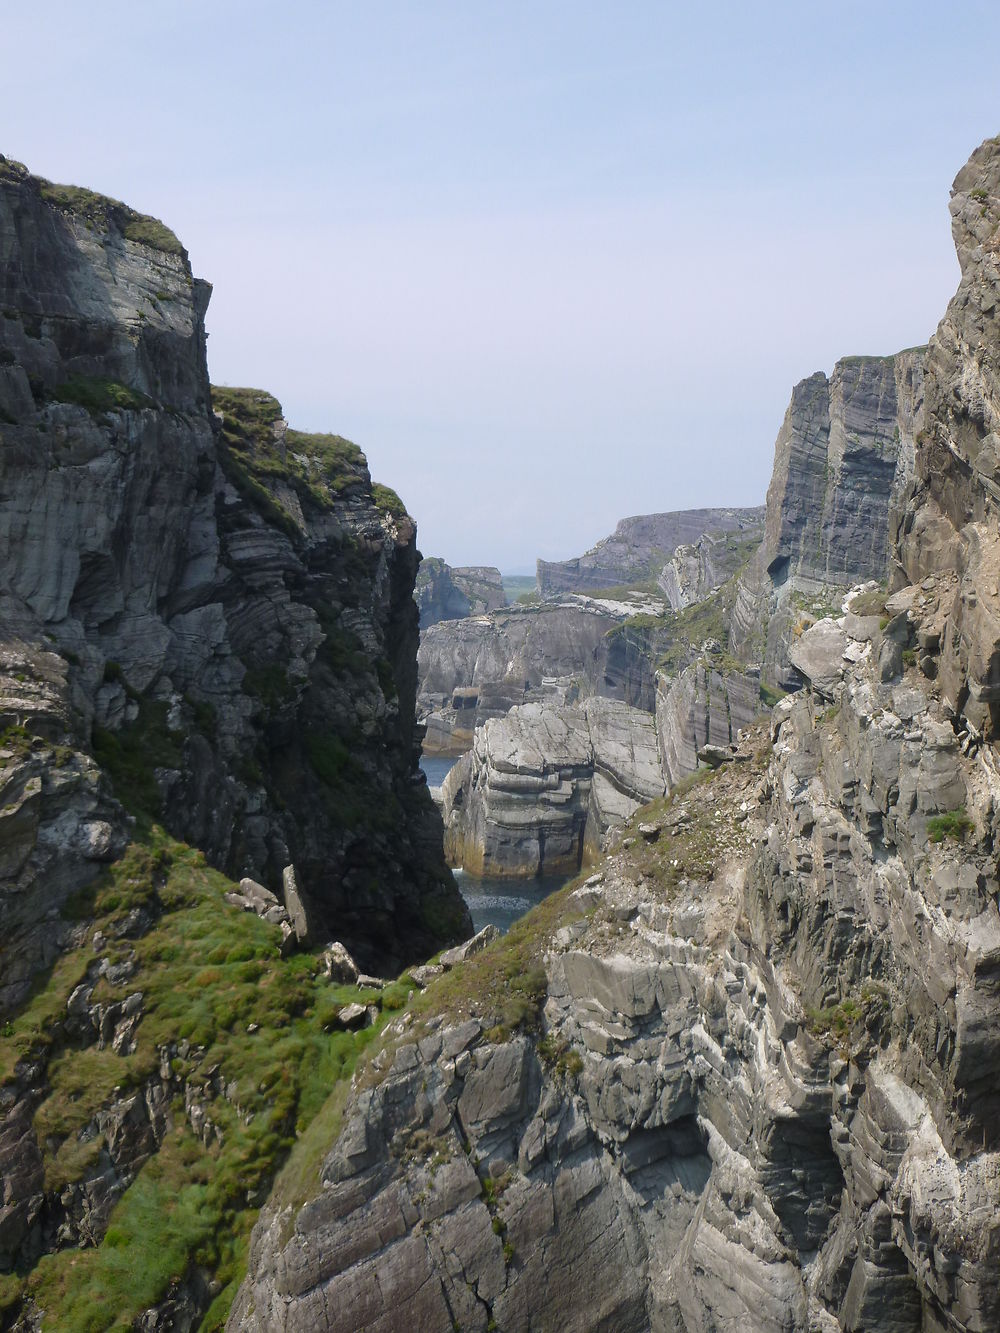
477, 668
638, 549
842, 461
544, 783
446, 593
745, 1076
207, 664
219, 608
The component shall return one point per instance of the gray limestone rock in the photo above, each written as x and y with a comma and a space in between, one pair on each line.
639, 548
446, 593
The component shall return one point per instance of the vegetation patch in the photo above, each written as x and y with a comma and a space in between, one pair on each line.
953, 824
871, 603
99, 396
259, 455
234, 1013
131, 755
387, 501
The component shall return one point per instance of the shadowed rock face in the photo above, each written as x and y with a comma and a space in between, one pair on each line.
212, 604
758, 1086
446, 593
639, 548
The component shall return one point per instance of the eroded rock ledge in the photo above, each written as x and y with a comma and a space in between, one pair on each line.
745, 1076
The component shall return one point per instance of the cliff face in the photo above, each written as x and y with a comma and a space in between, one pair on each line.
208, 631
949, 521
639, 548
543, 784
446, 593
217, 608
842, 459
745, 1076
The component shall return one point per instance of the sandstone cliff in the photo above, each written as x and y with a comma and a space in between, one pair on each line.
746, 1075
638, 549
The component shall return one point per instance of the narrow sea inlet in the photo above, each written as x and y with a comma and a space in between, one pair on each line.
496, 902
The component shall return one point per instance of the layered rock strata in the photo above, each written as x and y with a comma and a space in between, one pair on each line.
746, 1076
639, 548
701, 707
842, 460
446, 593
948, 524
697, 569
761, 1089
542, 784
216, 607
480, 667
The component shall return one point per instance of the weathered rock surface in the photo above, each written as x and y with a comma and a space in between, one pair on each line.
701, 706
639, 548
759, 1087
696, 569
949, 522
214, 595
842, 460
479, 668
543, 783
446, 593
766, 1097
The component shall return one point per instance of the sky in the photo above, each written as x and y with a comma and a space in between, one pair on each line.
548, 263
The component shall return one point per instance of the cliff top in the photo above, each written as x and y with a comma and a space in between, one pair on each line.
95, 208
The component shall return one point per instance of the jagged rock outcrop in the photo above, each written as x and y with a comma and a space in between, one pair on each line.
446, 593
747, 1076
842, 460
766, 1091
216, 607
697, 569
700, 707
543, 783
639, 548
950, 520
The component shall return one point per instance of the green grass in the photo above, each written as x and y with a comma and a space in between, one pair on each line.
320, 468
100, 209
96, 209
515, 586
99, 395
953, 824
870, 603
770, 696
207, 972
387, 501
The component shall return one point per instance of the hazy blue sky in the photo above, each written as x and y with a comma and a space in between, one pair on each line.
547, 263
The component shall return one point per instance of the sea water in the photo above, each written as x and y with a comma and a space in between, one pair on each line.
497, 902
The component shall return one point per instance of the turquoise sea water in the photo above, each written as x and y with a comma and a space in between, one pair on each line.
497, 902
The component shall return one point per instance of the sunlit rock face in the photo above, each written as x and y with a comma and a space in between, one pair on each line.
746, 1075
842, 461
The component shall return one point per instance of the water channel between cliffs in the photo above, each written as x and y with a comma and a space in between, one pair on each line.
498, 902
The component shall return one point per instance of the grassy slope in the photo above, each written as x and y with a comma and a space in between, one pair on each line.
208, 972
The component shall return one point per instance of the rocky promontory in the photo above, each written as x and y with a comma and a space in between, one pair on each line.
638, 549
446, 593
209, 765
